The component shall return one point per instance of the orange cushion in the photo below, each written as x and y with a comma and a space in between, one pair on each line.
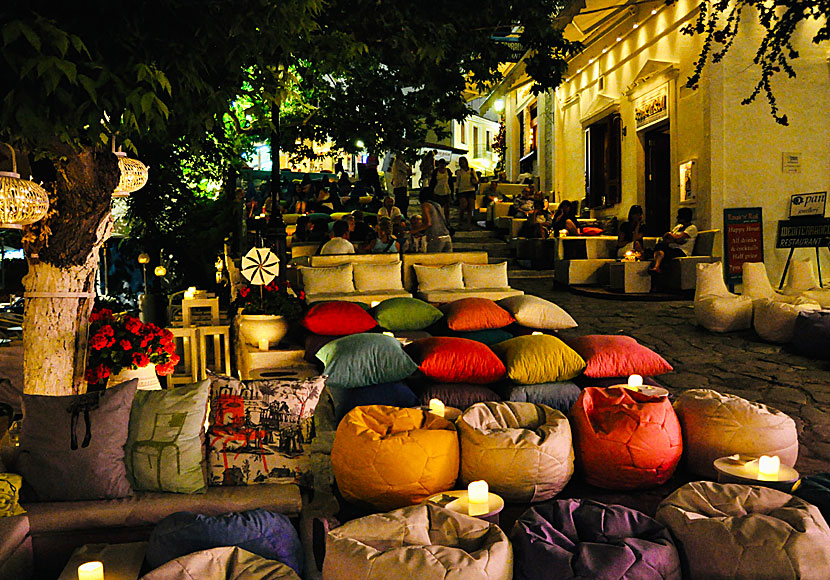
625, 439
456, 360
338, 318
476, 314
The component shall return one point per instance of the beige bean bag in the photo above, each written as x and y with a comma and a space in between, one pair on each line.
426, 542
802, 282
755, 284
775, 321
717, 425
716, 308
226, 563
523, 451
746, 532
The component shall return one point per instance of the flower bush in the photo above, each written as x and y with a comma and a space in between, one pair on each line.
275, 298
120, 341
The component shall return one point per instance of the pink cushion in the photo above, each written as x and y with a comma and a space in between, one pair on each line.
617, 356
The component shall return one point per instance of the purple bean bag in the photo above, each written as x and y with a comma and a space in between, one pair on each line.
571, 538
811, 336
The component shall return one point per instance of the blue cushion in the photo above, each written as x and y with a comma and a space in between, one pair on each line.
489, 337
392, 394
360, 360
560, 396
259, 531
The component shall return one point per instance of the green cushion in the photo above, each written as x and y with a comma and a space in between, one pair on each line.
538, 359
398, 314
164, 443
360, 360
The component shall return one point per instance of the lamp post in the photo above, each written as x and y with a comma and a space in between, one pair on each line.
144, 259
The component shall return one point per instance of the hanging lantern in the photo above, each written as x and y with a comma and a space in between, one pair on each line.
22, 202
134, 175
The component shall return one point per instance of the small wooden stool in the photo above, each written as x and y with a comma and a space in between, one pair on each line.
188, 304
218, 332
188, 353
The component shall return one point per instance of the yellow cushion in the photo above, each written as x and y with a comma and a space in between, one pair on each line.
535, 359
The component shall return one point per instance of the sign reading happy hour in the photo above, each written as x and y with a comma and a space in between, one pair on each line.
652, 107
744, 240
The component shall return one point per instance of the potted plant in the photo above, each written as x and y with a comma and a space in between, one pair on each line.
122, 347
266, 312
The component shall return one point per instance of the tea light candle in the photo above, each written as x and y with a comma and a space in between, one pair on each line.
392, 334
563, 233
769, 465
478, 498
635, 382
375, 303
437, 407
263, 344
190, 293
537, 333
91, 571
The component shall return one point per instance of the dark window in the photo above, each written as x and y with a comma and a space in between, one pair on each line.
602, 162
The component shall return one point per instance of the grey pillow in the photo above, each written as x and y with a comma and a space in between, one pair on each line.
72, 447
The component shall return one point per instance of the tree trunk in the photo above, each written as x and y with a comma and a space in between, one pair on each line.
63, 254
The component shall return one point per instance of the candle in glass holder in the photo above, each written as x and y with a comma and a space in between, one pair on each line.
537, 333
190, 293
563, 233
437, 407
769, 465
635, 382
478, 498
263, 344
91, 571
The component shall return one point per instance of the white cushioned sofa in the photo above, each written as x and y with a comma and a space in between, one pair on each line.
451, 276
353, 277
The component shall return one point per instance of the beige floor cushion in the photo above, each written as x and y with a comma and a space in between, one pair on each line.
717, 425
225, 563
744, 532
424, 542
716, 308
775, 321
523, 451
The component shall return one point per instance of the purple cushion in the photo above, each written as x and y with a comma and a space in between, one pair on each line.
560, 396
574, 538
391, 394
72, 447
458, 395
811, 336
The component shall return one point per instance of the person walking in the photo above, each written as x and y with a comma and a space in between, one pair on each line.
434, 224
466, 184
401, 172
441, 186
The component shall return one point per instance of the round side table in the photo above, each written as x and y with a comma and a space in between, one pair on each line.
456, 500
744, 469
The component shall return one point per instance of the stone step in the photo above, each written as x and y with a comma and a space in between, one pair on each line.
522, 273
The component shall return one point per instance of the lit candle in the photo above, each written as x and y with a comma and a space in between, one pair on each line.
263, 344
91, 571
375, 303
768, 465
537, 333
478, 498
563, 233
389, 334
635, 382
436, 406
190, 293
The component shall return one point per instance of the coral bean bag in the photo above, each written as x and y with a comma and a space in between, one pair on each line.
716, 425
425, 542
746, 532
625, 439
576, 538
522, 450
391, 457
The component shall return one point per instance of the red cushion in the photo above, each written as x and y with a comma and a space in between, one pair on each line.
456, 360
625, 439
470, 314
617, 356
591, 231
338, 318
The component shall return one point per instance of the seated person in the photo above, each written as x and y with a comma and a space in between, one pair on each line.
360, 231
631, 233
679, 242
385, 242
538, 222
319, 231
523, 203
564, 219
399, 227
303, 231
389, 210
339, 242
415, 243
491, 192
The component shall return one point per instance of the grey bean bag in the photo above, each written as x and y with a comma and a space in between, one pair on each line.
716, 425
746, 532
227, 563
426, 542
522, 450
575, 538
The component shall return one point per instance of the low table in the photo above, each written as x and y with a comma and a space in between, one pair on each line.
121, 561
744, 469
456, 501
629, 277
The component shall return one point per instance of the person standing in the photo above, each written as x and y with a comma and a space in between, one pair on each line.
372, 175
441, 187
426, 168
401, 172
466, 184
434, 225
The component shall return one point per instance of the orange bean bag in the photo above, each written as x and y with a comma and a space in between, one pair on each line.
391, 457
625, 439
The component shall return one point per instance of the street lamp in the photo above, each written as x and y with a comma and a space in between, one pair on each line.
499, 105
144, 259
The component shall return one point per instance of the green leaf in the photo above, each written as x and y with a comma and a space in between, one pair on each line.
61, 41
30, 35
69, 69
89, 86
11, 32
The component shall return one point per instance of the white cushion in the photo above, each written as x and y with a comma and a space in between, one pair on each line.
447, 277
755, 281
327, 280
716, 308
536, 312
374, 277
485, 275
775, 320
710, 281
801, 277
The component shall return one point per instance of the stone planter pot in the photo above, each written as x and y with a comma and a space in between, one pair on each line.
255, 328
146, 375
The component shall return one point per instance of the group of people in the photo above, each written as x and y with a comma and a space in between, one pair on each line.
676, 243
437, 178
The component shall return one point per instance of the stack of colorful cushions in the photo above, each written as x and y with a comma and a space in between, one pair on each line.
326, 321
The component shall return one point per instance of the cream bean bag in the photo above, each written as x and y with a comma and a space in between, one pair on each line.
225, 563
775, 321
717, 425
756, 284
746, 532
426, 542
716, 308
391, 457
802, 282
523, 451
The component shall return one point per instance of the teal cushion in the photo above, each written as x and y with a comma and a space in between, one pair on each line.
360, 360
398, 314
164, 444
489, 337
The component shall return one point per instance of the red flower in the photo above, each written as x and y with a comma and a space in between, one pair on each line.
133, 325
107, 330
302, 295
98, 342
244, 291
104, 314
125, 344
140, 359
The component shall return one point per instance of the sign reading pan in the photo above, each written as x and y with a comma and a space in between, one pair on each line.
804, 204
803, 233
652, 107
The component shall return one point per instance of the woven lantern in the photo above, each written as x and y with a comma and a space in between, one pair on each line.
22, 202
133, 175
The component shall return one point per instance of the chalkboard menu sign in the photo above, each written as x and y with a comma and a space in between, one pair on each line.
743, 240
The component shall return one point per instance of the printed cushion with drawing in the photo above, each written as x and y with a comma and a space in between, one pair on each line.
164, 445
260, 431
10, 495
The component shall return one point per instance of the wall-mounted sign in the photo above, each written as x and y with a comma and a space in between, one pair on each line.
743, 240
652, 107
790, 162
688, 181
803, 233
808, 204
